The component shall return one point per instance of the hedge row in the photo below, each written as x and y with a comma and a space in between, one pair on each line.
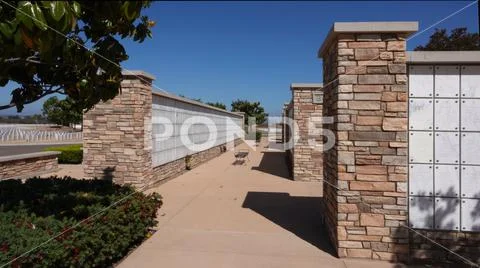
34, 211
70, 154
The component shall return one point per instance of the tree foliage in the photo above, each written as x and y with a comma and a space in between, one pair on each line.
250, 109
459, 39
218, 105
35, 53
62, 112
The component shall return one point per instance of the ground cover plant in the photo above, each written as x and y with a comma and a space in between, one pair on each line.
33, 211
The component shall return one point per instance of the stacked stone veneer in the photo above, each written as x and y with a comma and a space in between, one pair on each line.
28, 165
117, 138
307, 153
117, 134
365, 87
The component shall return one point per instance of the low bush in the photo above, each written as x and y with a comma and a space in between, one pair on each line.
258, 136
70, 154
36, 210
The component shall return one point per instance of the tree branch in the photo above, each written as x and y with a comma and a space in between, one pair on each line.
47, 92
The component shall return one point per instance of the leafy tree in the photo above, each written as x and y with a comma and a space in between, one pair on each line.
250, 109
218, 105
35, 53
62, 112
459, 39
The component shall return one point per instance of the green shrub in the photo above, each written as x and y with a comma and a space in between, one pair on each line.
70, 154
34, 211
258, 136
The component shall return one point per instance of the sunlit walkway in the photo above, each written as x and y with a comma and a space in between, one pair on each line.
252, 215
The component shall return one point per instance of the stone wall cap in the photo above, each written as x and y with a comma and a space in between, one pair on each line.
27, 156
197, 103
407, 27
295, 86
138, 73
445, 57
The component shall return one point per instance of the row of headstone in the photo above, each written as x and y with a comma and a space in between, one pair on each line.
31, 135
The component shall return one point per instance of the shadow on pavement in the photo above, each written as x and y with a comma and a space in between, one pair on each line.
299, 215
274, 163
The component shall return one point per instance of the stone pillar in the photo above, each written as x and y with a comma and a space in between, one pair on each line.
307, 113
365, 85
117, 134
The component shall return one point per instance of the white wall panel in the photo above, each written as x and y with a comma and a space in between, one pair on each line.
447, 114
470, 152
421, 114
447, 213
447, 145
420, 81
447, 181
420, 179
421, 147
471, 215
447, 81
470, 114
470, 81
169, 113
420, 210
470, 181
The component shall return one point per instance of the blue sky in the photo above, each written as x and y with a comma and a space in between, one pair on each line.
221, 51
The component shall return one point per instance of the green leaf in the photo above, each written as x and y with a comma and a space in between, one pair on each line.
24, 14
40, 21
18, 38
76, 8
57, 9
6, 29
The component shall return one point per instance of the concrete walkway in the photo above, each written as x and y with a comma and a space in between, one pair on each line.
225, 215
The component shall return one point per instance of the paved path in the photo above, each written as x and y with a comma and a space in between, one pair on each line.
224, 215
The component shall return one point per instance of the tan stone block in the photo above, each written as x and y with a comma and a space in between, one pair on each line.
372, 169
345, 88
370, 219
347, 208
401, 78
366, 44
394, 160
370, 177
397, 177
345, 51
347, 79
394, 124
397, 106
397, 68
368, 96
350, 244
341, 233
367, 53
347, 158
396, 45
359, 253
375, 79
369, 120
372, 63
379, 200
355, 69
371, 136
371, 238
378, 230
367, 88
377, 70
364, 105
372, 186
389, 96
386, 55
